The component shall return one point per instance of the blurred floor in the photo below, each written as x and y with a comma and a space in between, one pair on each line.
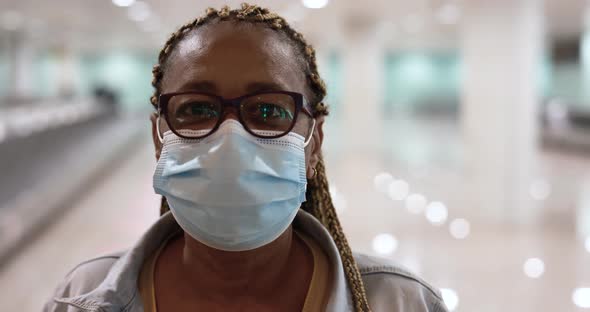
53, 168
110, 217
485, 269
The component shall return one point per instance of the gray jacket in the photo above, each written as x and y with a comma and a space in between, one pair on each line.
109, 283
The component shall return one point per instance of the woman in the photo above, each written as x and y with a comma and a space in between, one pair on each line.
238, 134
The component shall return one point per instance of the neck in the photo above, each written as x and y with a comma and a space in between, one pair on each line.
224, 272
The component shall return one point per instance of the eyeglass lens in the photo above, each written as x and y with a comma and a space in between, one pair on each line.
264, 112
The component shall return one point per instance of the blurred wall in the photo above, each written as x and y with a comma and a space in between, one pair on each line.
127, 73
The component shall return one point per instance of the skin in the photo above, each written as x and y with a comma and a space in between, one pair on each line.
231, 60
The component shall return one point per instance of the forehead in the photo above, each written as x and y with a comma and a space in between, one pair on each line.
230, 56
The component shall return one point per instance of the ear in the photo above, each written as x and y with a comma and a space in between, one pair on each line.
314, 149
157, 143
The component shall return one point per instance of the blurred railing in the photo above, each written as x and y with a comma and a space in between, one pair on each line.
50, 153
23, 121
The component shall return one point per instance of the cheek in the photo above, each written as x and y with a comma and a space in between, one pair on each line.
300, 127
303, 127
163, 125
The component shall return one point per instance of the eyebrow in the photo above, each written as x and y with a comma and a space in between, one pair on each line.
211, 87
264, 86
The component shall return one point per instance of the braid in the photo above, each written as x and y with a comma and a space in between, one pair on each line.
319, 203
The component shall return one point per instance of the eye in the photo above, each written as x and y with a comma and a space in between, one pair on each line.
198, 109
268, 111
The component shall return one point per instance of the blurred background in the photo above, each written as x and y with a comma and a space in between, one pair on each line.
458, 143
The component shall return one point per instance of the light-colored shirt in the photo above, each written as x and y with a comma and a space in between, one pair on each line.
320, 278
145, 282
109, 283
314, 300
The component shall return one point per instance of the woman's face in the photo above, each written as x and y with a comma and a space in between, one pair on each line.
232, 60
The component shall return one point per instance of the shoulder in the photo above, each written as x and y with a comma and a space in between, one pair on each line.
390, 285
82, 279
87, 275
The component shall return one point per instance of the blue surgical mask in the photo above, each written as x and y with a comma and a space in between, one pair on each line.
231, 190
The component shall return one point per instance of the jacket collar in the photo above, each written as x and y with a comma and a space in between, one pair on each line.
118, 292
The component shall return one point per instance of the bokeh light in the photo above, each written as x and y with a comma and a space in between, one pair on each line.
398, 190
540, 189
382, 181
315, 4
450, 297
436, 213
340, 203
534, 267
581, 297
416, 203
385, 244
123, 3
460, 228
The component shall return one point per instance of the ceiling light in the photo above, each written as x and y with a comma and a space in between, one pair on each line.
123, 3
315, 4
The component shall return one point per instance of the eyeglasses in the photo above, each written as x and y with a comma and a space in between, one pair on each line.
263, 114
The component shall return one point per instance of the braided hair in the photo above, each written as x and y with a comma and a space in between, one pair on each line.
318, 203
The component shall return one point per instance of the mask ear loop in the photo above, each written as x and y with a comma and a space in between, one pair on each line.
158, 129
310, 134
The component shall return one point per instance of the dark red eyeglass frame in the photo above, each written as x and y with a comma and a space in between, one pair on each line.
301, 104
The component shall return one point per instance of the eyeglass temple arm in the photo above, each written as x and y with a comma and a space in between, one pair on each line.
310, 134
158, 128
